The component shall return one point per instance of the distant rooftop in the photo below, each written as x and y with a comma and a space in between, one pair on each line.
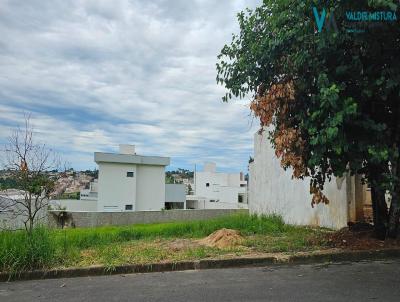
127, 155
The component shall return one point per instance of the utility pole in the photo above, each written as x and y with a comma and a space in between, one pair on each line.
194, 177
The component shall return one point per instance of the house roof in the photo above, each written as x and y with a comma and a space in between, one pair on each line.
100, 157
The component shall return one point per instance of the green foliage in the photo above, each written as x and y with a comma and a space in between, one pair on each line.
8, 183
170, 176
72, 195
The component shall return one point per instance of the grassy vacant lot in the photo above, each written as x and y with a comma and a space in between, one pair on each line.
150, 243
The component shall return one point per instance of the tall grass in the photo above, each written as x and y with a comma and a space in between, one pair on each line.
47, 248
22, 251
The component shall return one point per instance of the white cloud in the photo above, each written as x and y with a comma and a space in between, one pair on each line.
98, 73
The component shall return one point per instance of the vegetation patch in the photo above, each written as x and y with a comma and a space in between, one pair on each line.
152, 243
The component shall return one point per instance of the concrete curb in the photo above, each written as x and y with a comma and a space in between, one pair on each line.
262, 260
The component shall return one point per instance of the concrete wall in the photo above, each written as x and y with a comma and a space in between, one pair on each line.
93, 219
13, 217
150, 188
9, 221
207, 204
116, 189
272, 190
175, 193
74, 205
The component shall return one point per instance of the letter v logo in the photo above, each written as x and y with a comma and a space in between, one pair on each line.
319, 19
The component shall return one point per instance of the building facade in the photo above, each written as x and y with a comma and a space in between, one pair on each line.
127, 182
130, 182
217, 190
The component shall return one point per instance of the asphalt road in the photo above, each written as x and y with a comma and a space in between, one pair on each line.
363, 281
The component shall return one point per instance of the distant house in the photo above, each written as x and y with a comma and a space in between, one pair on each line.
273, 191
128, 182
217, 190
91, 193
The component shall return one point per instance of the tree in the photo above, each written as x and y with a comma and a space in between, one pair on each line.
331, 98
28, 164
189, 189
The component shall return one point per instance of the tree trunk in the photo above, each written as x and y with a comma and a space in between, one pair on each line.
379, 206
394, 216
31, 224
379, 211
394, 212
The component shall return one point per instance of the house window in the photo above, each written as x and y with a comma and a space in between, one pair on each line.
128, 207
129, 174
207, 184
240, 198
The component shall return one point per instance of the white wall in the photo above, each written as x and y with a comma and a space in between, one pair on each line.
222, 186
74, 205
207, 204
175, 193
150, 188
272, 190
115, 188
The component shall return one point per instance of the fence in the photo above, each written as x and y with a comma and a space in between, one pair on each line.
93, 219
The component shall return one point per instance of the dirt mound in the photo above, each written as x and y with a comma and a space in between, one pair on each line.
223, 238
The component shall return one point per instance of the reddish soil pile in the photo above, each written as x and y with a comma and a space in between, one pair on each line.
223, 238
358, 237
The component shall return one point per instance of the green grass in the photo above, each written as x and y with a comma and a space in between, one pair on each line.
18, 251
246, 224
116, 245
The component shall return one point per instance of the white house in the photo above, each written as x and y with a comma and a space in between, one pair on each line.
217, 190
273, 191
92, 192
130, 182
127, 182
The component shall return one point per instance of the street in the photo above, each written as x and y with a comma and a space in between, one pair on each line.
362, 281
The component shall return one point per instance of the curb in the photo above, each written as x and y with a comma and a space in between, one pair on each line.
264, 260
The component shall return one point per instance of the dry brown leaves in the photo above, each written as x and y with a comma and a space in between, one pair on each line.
289, 144
318, 197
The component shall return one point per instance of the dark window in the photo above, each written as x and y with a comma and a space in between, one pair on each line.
129, 174
212, 200
128, 207
207, 184
240, 199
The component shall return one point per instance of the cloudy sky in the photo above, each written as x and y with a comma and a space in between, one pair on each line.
94, 74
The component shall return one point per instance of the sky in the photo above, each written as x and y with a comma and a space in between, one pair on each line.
95, 74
